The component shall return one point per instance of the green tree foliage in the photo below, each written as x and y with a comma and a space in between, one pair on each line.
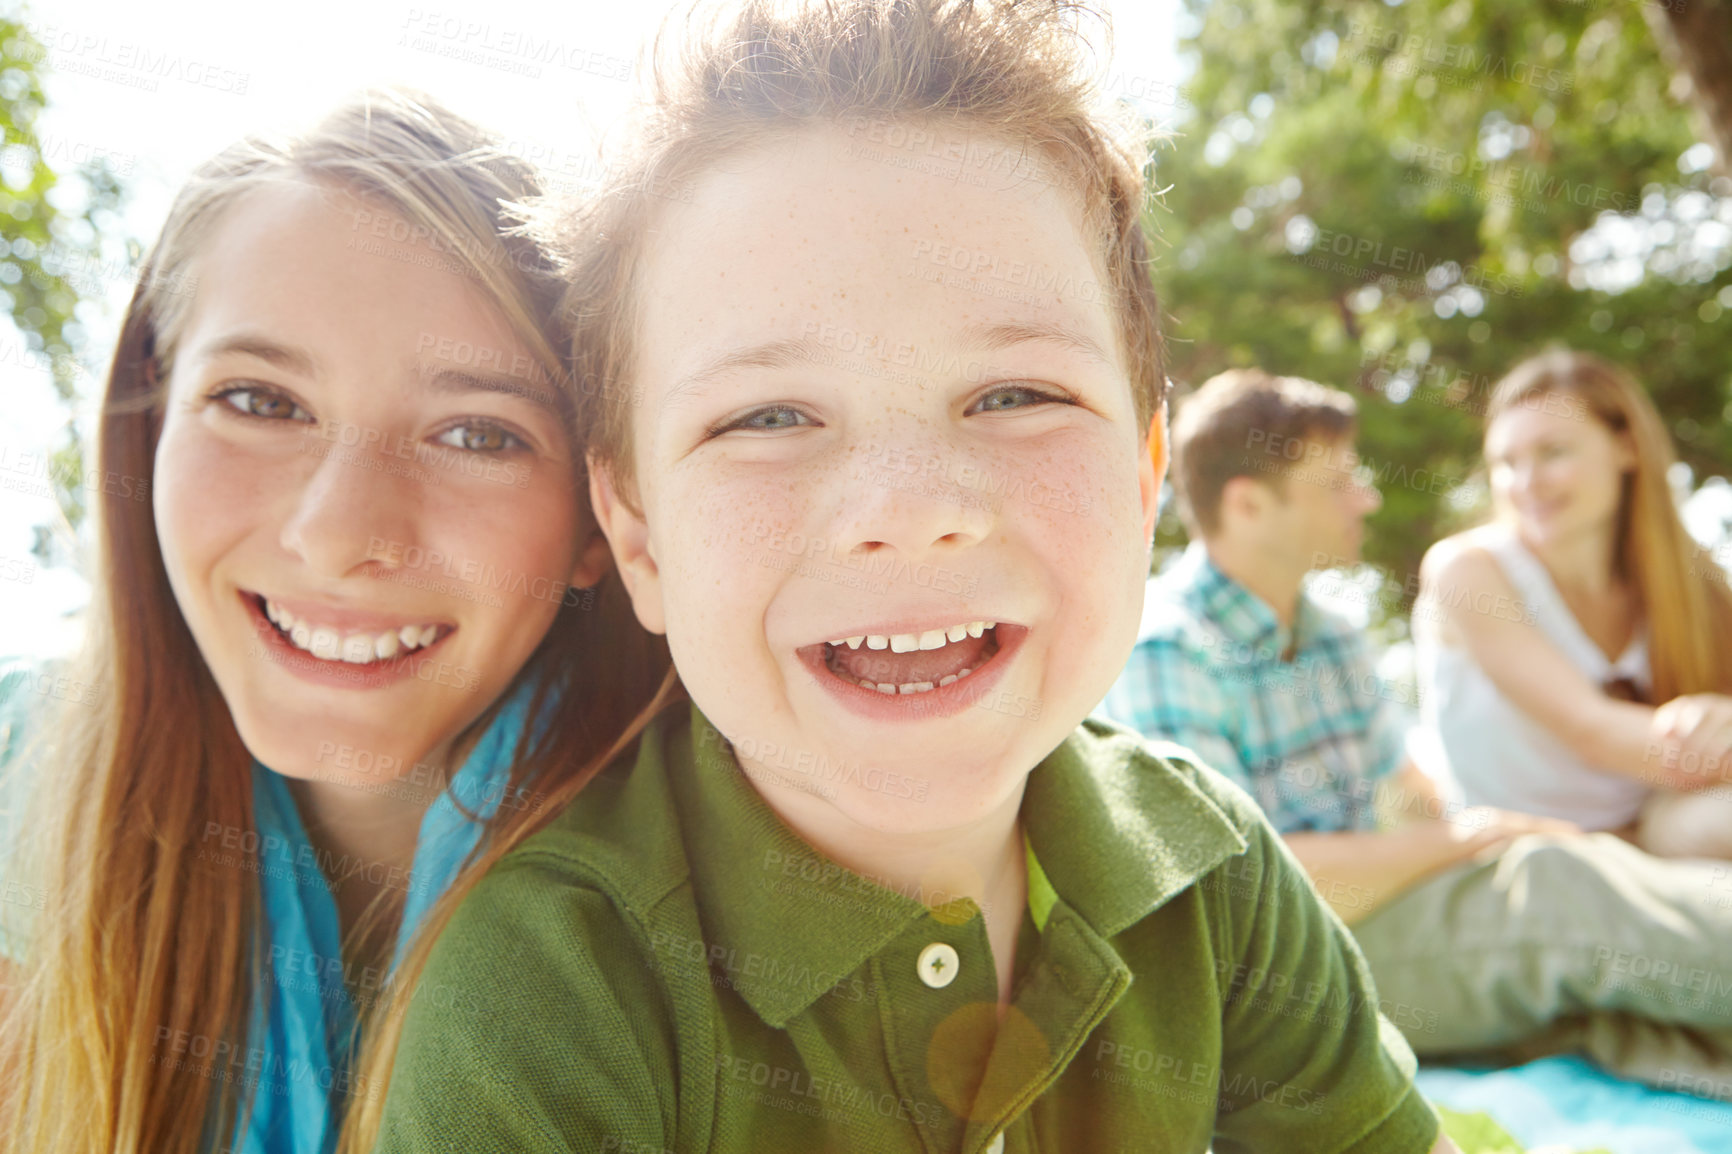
1404, 199
53, 216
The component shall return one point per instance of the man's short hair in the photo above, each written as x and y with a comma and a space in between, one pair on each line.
1249, 423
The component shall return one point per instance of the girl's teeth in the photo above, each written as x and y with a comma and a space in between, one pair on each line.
956, 633
877, 641
854, 642
976, 628
357, 648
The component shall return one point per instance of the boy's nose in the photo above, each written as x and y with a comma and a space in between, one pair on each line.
915, 504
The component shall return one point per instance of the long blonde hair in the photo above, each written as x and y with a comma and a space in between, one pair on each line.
1688, 608
749, 71
139, 946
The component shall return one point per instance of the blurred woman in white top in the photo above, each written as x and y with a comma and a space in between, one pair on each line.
1575, 653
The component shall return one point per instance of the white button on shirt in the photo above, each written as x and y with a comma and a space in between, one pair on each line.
938, 965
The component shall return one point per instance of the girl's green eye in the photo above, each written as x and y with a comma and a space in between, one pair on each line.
265, 404
479, 438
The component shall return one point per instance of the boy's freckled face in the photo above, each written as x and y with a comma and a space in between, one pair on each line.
878, 401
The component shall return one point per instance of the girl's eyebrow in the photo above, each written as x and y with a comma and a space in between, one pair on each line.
449, 381
289, 357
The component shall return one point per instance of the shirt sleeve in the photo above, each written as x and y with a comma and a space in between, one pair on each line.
1167, 693
532, 1028
1308, 1062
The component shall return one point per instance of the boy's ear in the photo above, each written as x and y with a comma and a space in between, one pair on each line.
592, 561
628, 536
1151, 471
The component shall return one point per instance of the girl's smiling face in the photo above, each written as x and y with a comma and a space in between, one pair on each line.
1555, 468
884, 406
365, 495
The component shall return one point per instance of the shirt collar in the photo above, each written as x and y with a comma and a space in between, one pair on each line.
1239, 613
1117, 830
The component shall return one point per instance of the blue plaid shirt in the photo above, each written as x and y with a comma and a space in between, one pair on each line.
1307, 738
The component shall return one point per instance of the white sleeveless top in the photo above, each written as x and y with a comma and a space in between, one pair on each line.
1498, 755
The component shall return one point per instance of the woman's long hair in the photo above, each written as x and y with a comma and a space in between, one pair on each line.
1682, 592
142, 960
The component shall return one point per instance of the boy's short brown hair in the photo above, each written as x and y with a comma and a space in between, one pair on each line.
747, 71
1249, 423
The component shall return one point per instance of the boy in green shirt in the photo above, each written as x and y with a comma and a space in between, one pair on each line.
880, 887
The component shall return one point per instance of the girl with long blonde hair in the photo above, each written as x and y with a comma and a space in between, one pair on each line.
1576, 652
352, 617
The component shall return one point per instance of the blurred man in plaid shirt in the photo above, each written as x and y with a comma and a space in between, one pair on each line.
1489, 932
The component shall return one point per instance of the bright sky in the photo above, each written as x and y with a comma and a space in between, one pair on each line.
161, 86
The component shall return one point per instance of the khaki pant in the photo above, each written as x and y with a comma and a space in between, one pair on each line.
1566, 944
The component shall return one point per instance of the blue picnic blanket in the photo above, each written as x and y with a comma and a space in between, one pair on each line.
1568, 1102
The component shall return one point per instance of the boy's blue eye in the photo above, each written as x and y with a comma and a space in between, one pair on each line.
263, 403
479, 437
773, 419
1009, 397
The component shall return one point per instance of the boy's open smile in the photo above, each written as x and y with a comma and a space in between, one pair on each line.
918, 673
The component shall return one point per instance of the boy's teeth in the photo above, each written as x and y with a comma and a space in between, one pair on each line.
890, 689
910, 642
327, 644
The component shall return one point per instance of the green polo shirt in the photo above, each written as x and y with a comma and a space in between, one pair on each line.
669, 968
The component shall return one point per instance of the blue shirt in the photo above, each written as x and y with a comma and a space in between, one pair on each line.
1297, 717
